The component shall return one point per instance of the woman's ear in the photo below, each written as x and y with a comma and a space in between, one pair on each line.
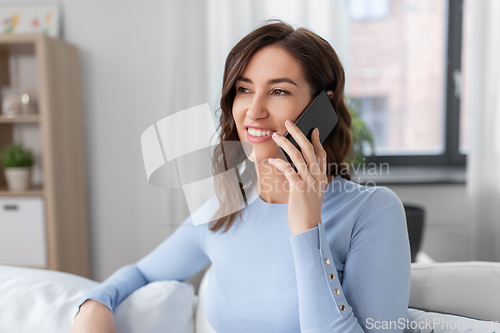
330, 94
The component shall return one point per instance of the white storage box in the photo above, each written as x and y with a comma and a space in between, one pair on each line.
23, 232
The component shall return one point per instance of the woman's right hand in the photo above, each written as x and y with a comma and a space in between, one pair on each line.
93, 317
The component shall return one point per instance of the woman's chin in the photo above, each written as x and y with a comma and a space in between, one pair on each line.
252, 158
261, 158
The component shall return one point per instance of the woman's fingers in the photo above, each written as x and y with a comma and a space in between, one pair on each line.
312, 152
294, 154
286, 168
305, 145
320, 155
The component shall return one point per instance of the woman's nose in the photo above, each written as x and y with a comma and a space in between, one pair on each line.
258, 107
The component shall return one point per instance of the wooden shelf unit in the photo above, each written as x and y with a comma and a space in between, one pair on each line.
20, 119
61, 127
34, 191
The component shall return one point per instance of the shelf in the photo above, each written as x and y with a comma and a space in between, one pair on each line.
24, 43
35, 191
19, 38
51, 67
34, 118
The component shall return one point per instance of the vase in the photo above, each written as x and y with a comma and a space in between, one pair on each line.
18, 179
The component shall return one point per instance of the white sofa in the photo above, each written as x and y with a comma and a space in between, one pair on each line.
35, 300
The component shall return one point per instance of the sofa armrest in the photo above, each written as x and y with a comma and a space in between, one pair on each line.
38, 300
469, 288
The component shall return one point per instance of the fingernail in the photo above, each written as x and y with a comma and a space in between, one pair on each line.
317, 131
288, 122
276, 135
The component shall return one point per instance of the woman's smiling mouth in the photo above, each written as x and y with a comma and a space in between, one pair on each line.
256, 135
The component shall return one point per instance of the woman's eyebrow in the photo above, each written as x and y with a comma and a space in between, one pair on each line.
278, 80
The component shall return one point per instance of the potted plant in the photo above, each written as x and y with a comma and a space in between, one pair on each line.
361, 136
17, 161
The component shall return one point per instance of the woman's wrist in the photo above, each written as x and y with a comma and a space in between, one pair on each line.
92, 305
299, 230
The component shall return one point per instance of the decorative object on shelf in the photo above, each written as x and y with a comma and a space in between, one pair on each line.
28, 102
16, 102
22, 18
17, 161
11, 101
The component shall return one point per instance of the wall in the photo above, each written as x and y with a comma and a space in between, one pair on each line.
447, 234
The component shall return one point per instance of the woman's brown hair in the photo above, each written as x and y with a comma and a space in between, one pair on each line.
323, 71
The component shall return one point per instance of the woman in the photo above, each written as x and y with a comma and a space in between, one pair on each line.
313, 251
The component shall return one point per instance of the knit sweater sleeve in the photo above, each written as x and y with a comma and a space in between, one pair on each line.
178, 257
376, 278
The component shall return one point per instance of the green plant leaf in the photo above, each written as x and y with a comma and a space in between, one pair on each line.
16, 155
360, 134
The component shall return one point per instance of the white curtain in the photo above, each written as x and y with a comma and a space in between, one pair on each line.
483, 164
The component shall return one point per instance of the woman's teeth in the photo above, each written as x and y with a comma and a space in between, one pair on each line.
258, 133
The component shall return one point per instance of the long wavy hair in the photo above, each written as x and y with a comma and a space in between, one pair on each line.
323, 71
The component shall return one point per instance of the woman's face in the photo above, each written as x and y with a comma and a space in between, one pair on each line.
271, 89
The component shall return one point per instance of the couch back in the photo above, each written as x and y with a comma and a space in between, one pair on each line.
34, 298
469, 288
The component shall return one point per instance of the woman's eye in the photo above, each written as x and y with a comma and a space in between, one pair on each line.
280, 92
241, 89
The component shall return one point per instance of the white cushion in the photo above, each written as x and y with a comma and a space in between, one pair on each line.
431, 322
423, 257
469, 288
60, 278
202, 324
37, 300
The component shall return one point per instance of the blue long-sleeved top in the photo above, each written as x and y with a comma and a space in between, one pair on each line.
351, 270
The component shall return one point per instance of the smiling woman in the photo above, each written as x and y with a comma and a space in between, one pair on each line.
272, 75
312, 251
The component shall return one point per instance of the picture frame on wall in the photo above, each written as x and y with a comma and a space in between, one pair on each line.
25, 18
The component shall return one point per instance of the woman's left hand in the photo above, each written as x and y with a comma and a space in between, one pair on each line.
307, 185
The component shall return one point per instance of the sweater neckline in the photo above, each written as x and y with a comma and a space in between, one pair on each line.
257, 203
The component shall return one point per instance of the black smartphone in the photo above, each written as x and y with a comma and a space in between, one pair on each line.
319, 113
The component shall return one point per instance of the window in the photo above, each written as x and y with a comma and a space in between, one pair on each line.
404, 69
373, 111
464, 112
369, 9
